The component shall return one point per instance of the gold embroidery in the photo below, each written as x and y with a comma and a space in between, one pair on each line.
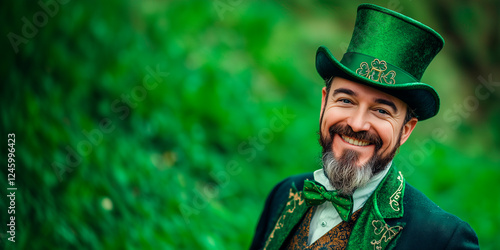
386, 232
394, 199
294, 200
297, 200
278, 226
376, 72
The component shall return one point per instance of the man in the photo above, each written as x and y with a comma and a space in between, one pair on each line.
372, 101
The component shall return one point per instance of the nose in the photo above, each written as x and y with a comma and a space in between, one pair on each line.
358, 121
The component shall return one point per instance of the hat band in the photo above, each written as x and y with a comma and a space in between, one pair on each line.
376, 69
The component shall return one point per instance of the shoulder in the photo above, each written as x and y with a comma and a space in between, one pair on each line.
429, 226
279, 195
294, 181
275, 202
419, 206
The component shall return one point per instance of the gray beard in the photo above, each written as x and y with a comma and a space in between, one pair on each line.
344, 175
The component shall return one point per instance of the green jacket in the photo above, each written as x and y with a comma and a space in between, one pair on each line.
396, 216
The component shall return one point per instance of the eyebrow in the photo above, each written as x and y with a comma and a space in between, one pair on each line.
388, 103
378, 100
345, 91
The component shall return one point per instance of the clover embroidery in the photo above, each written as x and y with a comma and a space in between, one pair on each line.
386, 233
376, 71
389, 77
380, 67
379, 227
363, 69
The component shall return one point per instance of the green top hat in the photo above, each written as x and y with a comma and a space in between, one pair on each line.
389, 52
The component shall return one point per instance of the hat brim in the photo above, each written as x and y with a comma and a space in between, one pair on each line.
422, 98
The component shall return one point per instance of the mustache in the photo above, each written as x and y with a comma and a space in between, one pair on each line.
347, 131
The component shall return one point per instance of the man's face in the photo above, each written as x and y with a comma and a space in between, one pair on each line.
360, 126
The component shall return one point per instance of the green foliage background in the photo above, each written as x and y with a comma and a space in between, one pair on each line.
183, 158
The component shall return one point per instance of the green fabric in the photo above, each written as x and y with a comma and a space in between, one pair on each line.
293, 212
396, 216
371, 229
316, 194
385, 222
406, 46
395, 38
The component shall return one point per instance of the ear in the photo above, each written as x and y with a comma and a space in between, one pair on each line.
323, 101
407, 129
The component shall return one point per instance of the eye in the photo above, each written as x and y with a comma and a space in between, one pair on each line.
382, 111
343, 100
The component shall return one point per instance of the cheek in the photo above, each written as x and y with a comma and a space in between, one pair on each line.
389, 137
329, 119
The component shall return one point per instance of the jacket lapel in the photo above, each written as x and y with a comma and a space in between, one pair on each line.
294, 209
371, 229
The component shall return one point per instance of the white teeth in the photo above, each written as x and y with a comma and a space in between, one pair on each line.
354, 141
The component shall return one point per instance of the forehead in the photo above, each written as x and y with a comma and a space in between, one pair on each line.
363, 91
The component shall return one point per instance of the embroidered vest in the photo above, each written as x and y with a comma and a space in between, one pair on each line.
336, 238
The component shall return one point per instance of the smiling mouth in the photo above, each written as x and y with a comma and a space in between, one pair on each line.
354, 141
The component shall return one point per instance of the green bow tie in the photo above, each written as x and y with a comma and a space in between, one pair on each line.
316, 194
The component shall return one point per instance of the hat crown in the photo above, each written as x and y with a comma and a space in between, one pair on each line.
394, 38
